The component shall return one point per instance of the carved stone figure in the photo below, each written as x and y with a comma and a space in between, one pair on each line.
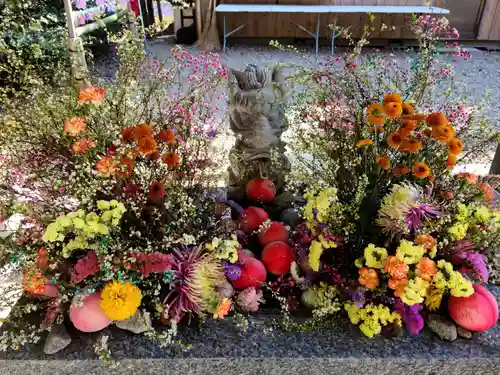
257, 118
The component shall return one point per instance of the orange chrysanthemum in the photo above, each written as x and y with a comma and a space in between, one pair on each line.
166, 136
392, 98
408, 109
171, 159
411, 144
394, 139
398, 286
383, 161
223, 308
398, 269
106, 166
455, 146
426, 240
443, 133
83, 145
368, 277
142, 131
488, 192
421, 170
426, 269
400, 170
147, 146
376, 119
471, 178
92, 94
75, 126
364, 142
393, 109
34, 282
376, 129
436, 119
410, 124
451, 161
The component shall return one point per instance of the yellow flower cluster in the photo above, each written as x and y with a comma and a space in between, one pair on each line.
375, 256
316, 249
120, 300
224, 249
409, 253
414, 292
452, 280
323, 298
434, 297
458, 231
85, 226
371, 318
318, 206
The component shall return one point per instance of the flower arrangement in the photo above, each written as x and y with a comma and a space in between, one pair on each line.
123, 220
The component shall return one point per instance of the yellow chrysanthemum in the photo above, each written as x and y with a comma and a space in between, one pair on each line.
434, 298
316, 249
458, 231
120, 300
415, 291
375, 256
409, 253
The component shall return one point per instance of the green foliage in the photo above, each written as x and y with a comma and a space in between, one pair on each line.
33, 46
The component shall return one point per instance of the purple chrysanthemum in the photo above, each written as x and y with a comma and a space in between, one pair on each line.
419, 213
472, 259
414, 322
232, 271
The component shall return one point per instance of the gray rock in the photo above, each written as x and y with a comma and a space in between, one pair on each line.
464, 333
443, 327
291, 217
57, 339
139, 323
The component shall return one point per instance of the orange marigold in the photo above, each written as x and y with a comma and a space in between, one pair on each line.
471, 178
383, 161
436, 119
400, 170
376, 129
154, 156
127, 163
455, 146
414, 117
411, 144
375, 109
427, 132
396, 268
488, 192
426, 240
410, 124
397, 284
91, 94
408, 109
147, 146
426, 269
34, 282
128, 134
167, 136
223, 308
75, 126
392, 98
421, 170
393, 109
83, 145
106, 166
364, 142
451, 161
405, 132
394, 139
376, 120
443, 133
171, 159
368, 277
142, 131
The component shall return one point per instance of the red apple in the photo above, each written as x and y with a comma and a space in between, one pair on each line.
252, 219
478, 312
277, 257
260, 190
88, 317
275, 232
253, 274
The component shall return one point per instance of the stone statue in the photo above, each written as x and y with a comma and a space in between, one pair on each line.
257, 118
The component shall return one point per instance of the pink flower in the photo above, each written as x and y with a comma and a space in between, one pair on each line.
85, 267
249, 299
153, 262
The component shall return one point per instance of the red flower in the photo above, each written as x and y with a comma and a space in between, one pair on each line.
153, 263
85, 267
167, 136
42, 259
171, 159
156, 192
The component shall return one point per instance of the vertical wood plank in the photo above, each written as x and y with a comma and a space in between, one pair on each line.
487, 19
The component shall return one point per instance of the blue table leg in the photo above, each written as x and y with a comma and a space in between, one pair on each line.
317, 34
334, 34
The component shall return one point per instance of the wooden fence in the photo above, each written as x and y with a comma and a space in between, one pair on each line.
489, 28
464, 16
